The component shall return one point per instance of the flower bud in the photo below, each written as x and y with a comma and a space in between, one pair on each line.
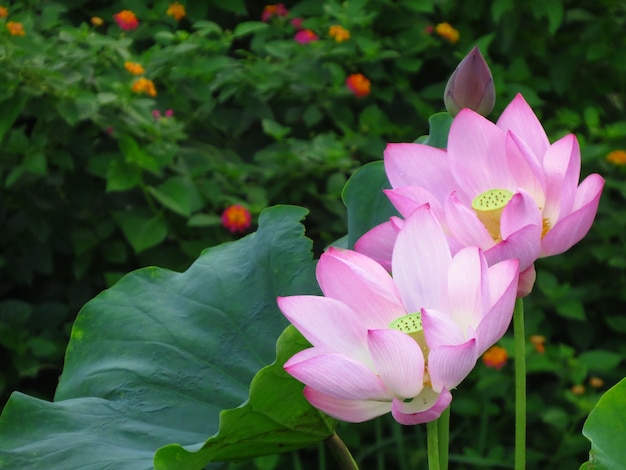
471, 86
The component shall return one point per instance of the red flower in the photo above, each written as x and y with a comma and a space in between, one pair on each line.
358, 84
236, 218
306, 36
126, 20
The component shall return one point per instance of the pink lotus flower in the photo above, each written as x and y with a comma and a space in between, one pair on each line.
383, 344
502, 187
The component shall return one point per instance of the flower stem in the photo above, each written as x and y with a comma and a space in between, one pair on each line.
520, 385
341, 453
444, 438
432, 440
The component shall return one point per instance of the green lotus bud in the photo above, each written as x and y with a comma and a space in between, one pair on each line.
471, 86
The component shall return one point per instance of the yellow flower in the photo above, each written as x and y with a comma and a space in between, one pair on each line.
143, 85
539, 342
596, 382
617, 157
15, 28
4, 12
134, 68
177, 11
97, 21
445, 30
339, 33
578, 389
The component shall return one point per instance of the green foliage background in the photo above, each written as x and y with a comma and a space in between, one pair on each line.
92, 185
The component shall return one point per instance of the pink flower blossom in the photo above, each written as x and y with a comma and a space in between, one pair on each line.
305, 36
502, 187
236, 218
383, 344
297, 23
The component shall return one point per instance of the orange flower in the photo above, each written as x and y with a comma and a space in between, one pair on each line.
134, 68
495, 357
4, 12
596, 382
358, 84
578, 389
97, 21
126, 20
445, 30
539, 342
143, 85
177, 11
617, 157
339, 33
236, 218
15, 28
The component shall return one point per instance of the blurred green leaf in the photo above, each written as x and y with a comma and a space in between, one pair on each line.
605, 428
140, 231
249, 27
179, 194
600, 361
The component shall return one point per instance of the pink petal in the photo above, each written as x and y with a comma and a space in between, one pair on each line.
353, 411
466, 277
571, 229
477, 152
503, 282
378, 243
420, 261
440, 329
436, 404
398, 360
419, 165
339, 376
408, 198
526, 281
520, 227
362, 284
562, 169
522, 245
327, 323
449, 365
464, 224
520, 118
527, 170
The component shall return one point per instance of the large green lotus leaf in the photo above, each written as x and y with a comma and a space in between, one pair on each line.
606, 429
439, 125
365, 201
272, 421
156, 358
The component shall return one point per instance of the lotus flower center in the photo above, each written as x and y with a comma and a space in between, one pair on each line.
412, 326
488, 207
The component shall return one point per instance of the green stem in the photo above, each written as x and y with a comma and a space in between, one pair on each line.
444, 438
432, 440
341, 453
520, 385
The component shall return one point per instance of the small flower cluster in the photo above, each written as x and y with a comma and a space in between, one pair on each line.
446, 31
15, 28
176, 10
126, 20
357, 83
143, 85
236, 218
